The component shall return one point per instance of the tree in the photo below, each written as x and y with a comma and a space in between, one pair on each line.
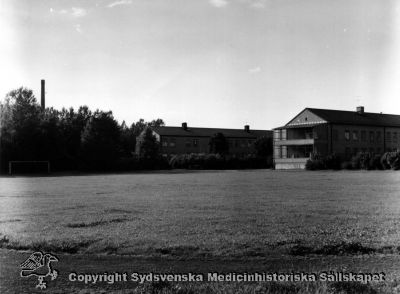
100, 140
138, 127
219, 144
263, 146
67, 137
128, 140
51, 140
156, 123
71, 126
149, 147
19, 127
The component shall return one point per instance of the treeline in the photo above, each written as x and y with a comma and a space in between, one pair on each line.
70, 139
93, 141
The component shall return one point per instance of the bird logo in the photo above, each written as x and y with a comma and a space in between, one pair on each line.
38, 265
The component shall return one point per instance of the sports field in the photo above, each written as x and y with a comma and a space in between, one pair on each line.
205, 215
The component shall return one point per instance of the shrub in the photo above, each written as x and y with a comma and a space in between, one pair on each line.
346, 165
391, 160
366, 160
355, 162
216, 161
375, 162
318, 162
331, 161
315, 164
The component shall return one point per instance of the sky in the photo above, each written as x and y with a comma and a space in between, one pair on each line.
210, 63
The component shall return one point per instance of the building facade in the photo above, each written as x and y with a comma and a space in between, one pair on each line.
186, 140
324, 132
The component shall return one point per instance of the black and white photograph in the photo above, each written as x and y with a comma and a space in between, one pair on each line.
200, 146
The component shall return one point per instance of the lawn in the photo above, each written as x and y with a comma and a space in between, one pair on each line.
224, 214
225, 221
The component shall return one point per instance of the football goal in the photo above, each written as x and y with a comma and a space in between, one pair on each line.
28, 167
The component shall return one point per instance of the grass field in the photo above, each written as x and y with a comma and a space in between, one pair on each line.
229, 213
194, 215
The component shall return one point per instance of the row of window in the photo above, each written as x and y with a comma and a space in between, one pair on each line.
240, 143
171, 142
362, 136
165, 142
307, 133
293, 152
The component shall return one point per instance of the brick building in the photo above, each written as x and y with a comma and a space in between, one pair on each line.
186, 140
325, 131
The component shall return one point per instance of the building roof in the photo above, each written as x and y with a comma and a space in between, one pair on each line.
208, 132
300, 126
353, 117
348, 118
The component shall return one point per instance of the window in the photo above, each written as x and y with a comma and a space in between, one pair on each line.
378, 136
347, 135
172, 142
309, 134
237, 143
388, 136
355, 135
363, 136
249, 142
188, 143
335, 135
347, 152
164, 142
242, 143
371, 136
395, 137
196, 142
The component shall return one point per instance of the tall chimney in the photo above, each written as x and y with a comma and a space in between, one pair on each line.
360, 109
184, 126
42, 95
247, 128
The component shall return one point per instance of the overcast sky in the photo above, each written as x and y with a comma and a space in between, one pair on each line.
212, 63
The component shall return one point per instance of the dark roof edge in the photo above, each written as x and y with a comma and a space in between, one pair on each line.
251, 130
325, 109
336, 123
202, 136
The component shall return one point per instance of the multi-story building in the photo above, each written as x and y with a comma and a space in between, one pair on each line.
186, 140
325, 131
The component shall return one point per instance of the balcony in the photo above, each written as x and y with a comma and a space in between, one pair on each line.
290, 163
294, 142
291, 160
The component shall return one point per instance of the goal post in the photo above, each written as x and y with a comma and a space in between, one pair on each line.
28, 166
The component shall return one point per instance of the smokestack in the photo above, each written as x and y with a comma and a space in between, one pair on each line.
184, 126
247, 128
42, 95
360, 109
